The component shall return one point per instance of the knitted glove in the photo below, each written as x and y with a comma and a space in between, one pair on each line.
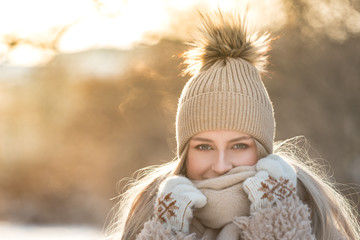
274, 181
175, 200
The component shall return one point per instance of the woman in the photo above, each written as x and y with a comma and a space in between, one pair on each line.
228, 180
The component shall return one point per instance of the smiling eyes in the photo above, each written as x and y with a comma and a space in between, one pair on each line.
203, 147
237, 146
240, 146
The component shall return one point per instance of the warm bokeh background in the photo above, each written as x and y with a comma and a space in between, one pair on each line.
88, 94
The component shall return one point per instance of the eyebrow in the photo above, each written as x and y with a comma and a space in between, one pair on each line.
240, 138
231, 141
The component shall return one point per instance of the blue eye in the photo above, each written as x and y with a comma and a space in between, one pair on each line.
203, 147
240, 146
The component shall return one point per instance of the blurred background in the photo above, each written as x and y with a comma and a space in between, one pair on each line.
89, 90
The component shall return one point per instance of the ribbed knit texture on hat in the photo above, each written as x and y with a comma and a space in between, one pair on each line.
228, 96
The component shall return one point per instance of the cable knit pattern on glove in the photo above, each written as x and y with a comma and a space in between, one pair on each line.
175, 200
274, 181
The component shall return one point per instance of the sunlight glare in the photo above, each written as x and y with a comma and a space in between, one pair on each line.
181, 5
124, 24
29, 17
119, 32
26, 55
110, 23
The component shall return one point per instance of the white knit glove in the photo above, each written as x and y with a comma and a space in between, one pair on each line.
274, 181
175, 200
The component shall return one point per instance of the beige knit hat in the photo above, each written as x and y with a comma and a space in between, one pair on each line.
226, 91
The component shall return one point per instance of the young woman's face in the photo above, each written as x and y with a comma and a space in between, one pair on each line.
213, 153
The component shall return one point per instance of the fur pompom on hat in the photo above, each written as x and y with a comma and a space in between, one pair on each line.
224, 35
226, 91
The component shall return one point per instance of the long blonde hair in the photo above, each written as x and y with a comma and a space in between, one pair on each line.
332, 215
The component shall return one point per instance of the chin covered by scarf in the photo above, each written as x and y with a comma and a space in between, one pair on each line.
226, 199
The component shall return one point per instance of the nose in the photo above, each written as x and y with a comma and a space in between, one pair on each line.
221, 164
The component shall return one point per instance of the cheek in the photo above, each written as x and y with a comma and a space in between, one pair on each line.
247, 158
197, 164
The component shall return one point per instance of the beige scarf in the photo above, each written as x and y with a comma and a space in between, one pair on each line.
226, 199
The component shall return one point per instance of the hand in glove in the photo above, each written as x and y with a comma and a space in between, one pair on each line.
274, 181
175, 200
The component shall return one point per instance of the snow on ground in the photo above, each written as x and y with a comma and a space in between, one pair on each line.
9, 231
